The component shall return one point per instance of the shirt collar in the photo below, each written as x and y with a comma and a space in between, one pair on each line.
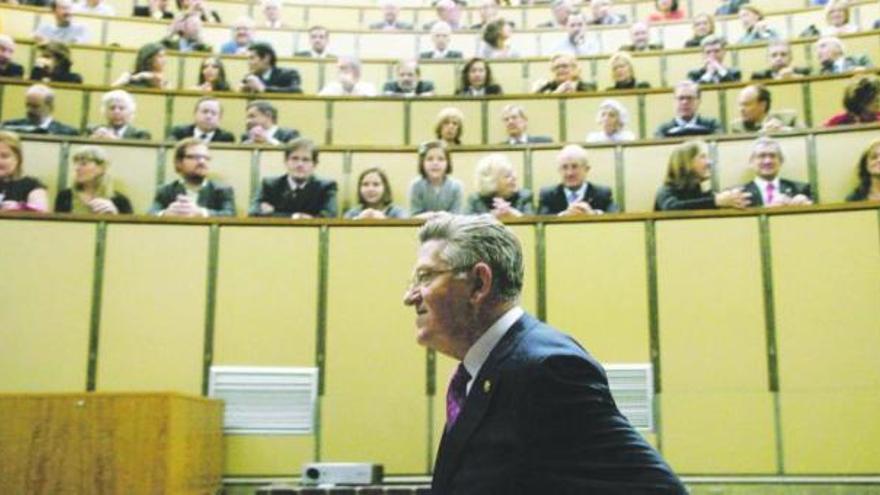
580, 191
479, 352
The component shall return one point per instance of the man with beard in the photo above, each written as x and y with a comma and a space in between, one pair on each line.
193, 194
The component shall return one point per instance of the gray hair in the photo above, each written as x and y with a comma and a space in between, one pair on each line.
91, 153
489, 170
767, 141
118, 95
479, 238
622, 113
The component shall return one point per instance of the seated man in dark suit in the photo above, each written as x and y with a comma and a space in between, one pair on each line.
440, 38
298, 193
714, 70
8, 68
390, 21
265, 77
516, 123
119, 109
193, 194
528, 411
779, 56
261, 120
39, 104
408, 81
768, 189
687, 122
206, 126
575, 195
319, 38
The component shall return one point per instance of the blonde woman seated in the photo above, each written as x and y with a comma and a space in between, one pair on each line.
92, 190
374, 197
565, 78
623, 74
837, 19
686, 186
612, 118
499, 193
449, 126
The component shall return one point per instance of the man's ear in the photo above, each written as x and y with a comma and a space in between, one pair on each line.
482, 277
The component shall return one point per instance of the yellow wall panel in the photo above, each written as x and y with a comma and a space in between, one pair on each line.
354, 122
373, 358
308, 117
593, 295
719, 432
281, 455
827, 99
644, 169
837, 158
46, 299
153, 308
710, 296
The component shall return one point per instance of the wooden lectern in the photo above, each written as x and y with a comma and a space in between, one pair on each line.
110, 443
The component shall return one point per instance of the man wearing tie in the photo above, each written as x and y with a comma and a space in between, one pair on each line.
516, 124
768, 189
299, 193
575, 195
528, 410
206, 125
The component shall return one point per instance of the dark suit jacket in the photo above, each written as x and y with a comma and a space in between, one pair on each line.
131, 132
702, 127
449, 54
24, 126
282, 134
768, 73
403, 26
391, 87
317, 198
218, 199
790, 188
39, 74
539, 419
491, 89
179, 132
733, 75
553, 199
582, 86
683, 199
283, 81
12, 70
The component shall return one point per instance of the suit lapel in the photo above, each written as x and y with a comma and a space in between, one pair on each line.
756, 199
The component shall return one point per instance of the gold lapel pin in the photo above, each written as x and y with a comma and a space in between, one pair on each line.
487, 386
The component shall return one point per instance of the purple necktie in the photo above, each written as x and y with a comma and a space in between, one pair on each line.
456, 394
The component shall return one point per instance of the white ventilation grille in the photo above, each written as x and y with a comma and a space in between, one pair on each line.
633, 390
266, 400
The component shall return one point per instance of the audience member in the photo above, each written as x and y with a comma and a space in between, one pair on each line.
18, 192
299, 193
498, 192
440, 37
193, 194
861, 101
39, 105
154, 9
703, 25
687, 120
602, 14
488, 12
449, 12
348, 80
683, 189
837, 20
319, 38
197, 8
186, 35
730, 7
566, 77
93, 191
576, 42
435, 190
119, 108
149, 69
212, 75
768, 188
449, 126
833, 58
408, 81
575, 195
497, 41
640, 39
53, 64
714, 70
243, 30
779, 56
94, 7
63, 30
612, 118
868, 171
755, 27
559, 12
261, 121
264, 76
8, 68
206, 123
754, 109
374, 198
272, 14
390, 21
666, 10
623, 73
516, 124
476, 79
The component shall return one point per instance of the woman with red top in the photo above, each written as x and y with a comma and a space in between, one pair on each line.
667, 10
862, 102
